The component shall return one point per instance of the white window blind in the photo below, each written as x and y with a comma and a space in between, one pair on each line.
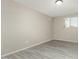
72, 21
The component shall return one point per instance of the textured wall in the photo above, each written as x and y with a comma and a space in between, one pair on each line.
23, 27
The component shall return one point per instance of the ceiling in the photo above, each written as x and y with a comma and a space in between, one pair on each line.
48, 7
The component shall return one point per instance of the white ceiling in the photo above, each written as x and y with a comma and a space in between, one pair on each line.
48, 7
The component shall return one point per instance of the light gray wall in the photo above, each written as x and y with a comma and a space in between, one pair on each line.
60, 32
23, 27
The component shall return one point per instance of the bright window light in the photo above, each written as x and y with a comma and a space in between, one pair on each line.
67, 22
72, 21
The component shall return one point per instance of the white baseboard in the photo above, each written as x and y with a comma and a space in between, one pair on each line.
67, 40
25, 48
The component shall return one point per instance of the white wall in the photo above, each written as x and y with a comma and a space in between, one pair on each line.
62, 33
23, 27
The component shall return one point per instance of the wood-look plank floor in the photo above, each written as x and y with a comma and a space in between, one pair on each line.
50, 50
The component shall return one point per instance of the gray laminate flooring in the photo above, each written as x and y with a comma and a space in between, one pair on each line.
50, 50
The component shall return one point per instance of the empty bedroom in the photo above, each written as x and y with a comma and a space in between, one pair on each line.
39, 29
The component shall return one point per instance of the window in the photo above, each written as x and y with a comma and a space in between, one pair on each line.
72, 21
